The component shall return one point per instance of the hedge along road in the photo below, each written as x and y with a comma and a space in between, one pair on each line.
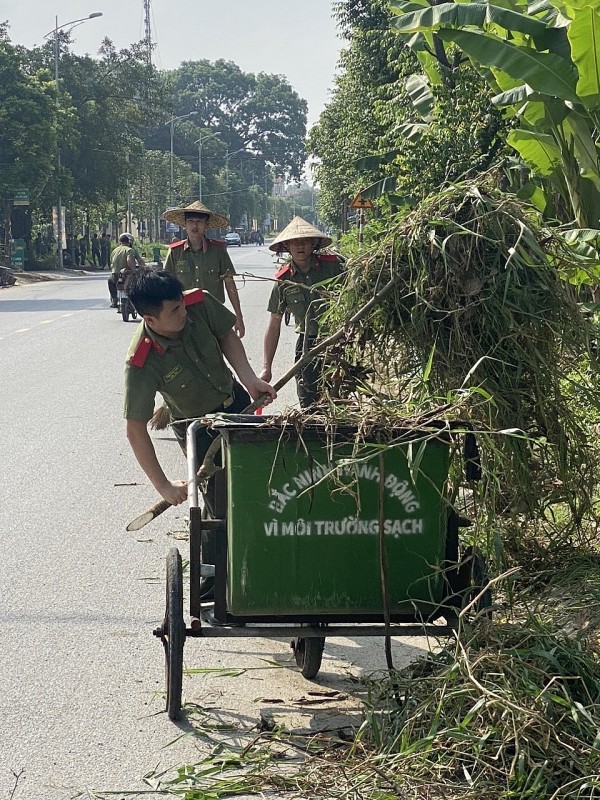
82, 705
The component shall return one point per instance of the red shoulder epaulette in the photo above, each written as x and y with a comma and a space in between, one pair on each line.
282, 270
176, 244
217, 242
327, 257
138, 359
193, 296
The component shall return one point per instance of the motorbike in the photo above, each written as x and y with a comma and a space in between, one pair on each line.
124, 305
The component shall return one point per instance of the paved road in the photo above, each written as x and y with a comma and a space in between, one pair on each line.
81, 705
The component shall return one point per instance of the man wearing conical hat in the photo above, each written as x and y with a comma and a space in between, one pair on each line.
297, 291
200, 262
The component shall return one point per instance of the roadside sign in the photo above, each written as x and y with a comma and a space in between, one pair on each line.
21, 197
17, 256
361, 202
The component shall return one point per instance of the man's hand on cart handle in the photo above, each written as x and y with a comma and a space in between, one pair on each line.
261, 392
174, 492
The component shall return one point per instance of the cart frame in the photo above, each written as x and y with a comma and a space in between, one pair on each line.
307, 632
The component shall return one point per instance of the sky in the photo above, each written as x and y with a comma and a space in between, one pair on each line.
295, 38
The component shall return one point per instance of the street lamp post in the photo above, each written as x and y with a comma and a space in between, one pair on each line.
199, 143
229, 155
171, 123
54, 33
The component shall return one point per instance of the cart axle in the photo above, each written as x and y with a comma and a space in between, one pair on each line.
294, 631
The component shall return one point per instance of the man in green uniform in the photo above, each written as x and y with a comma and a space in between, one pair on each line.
122, 257
178, 350
297, 292
201, 262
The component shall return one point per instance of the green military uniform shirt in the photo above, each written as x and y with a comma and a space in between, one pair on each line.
291, 291
201, 268
189, 372
118, 259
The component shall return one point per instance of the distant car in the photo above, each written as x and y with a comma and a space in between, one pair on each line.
233, 238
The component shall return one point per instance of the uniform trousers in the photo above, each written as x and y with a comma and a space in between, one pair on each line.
308, 380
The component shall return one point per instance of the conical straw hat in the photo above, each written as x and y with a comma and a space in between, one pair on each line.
177, 215
299, 229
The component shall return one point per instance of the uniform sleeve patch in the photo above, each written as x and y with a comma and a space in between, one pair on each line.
193, 296
138, 359
283, 271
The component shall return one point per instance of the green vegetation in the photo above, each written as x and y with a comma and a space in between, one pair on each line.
541, 61
392, 131
479, 322
112, 122
491, 321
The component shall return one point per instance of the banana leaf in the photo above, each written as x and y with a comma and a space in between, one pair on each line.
544, 72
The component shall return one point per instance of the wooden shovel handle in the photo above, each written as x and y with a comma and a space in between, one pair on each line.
156, 510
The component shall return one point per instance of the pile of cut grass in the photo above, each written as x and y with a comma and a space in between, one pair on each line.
513, 711
480, 318
510, 711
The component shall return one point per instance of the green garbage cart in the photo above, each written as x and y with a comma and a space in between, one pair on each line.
319, 533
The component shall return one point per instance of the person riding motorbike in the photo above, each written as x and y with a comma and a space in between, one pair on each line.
124, 305
122, 256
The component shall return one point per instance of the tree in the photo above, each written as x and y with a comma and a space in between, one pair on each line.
149, 186
259, 113
102, 104
348, 128
544, 67
406, 134
27, 126
106, 93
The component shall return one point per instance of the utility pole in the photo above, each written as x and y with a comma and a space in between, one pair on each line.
147, 33
229, 155
171, 124
59, 208
199, 143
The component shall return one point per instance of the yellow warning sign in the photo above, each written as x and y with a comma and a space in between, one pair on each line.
361, 202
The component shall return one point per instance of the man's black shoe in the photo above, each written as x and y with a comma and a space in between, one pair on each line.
208, 616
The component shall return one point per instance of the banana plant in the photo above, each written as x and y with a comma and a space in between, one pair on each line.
543, 62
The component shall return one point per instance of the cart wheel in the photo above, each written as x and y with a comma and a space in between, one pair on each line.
125, 310
478, 580
308, 653
174, 633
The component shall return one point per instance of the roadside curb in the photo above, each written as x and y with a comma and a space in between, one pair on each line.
27, 277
